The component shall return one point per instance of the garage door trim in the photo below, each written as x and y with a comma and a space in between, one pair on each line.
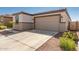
47, 16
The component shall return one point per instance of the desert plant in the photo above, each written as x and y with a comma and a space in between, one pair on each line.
2, 27
75, 37
67, 44
9, 24
1, 24
70, 35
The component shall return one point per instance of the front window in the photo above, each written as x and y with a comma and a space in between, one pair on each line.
16, 19
62, 20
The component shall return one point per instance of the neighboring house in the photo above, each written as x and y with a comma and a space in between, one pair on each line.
5, 19
22, 21
57, 20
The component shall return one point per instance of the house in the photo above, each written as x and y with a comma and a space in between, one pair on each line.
56, 20
5, 19
22, 21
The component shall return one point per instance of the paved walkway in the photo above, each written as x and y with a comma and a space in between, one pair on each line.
27, 40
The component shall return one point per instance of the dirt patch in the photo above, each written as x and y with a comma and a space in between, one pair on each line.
52, 44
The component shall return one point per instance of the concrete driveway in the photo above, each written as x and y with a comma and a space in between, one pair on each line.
26, 41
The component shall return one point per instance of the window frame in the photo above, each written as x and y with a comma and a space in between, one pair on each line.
17, 19
61, 20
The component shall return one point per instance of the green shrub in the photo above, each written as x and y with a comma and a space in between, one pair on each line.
1, 24
9, 24
70, 35
2, 27
62, 42
75, 37
67, 44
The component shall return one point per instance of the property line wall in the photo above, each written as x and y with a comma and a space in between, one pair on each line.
74, 25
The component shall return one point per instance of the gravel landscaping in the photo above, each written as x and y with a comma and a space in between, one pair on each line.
52, 44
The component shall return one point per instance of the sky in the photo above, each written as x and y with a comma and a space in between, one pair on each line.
73, 11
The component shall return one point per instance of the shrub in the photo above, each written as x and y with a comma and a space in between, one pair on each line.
75, 37
70, 35
2, 27
1, 24
67, 44
9, 24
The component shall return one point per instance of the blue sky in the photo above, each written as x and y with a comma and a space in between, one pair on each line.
73, 11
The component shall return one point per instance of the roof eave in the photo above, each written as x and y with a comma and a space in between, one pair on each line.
22, 13
68, 14
50, 12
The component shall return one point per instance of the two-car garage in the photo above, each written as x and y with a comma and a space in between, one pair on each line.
47, 22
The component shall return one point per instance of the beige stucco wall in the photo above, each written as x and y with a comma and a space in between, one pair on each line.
25, 22
23, 26
25, 18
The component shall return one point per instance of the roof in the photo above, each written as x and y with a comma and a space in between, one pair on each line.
6, 16
22, 13
54, 11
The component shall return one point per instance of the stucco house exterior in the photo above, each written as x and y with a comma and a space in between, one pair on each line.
22, 21
5, 19
56, 20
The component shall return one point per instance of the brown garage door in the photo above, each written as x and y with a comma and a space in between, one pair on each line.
47, 22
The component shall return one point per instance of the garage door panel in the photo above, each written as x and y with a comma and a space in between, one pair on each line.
47, 28
47, 23
48, 18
